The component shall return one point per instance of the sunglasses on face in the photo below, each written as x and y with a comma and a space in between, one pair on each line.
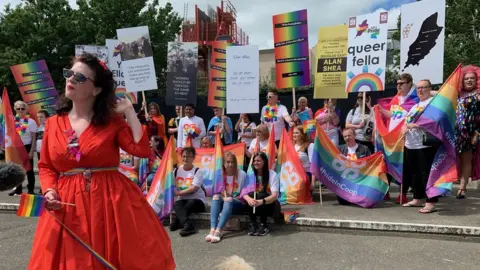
78, 77
401, 83
269, 97
20, 109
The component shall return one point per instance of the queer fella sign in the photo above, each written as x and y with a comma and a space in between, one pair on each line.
367, 52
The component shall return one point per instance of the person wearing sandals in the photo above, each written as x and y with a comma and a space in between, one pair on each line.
261, 202
227, 203
419, 157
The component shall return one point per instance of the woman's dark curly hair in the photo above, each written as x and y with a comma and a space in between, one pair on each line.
105, 102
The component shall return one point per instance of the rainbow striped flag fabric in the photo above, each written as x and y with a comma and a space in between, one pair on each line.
438, 118
161, 195
309, 127
250, 182
391, 144
129, 172
31, 205
271, 150
142, 174
218, 185
362, 182
294, 183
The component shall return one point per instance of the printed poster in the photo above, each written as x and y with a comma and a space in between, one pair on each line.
115, 66
182, 73
367, 52
423, 40
101, 52
243, 79
137, 56
331, 62
218, 71
290, 35
36, 86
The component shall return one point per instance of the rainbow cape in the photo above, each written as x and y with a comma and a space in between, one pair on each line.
14, 150
161, 195
31, 205
362, 182
218, 185
391, 144
294, 183
438, 118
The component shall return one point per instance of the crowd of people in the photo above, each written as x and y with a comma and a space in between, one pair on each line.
93, 132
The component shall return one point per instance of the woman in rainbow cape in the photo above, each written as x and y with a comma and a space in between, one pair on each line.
224, 124
155, 122
303, 113
155, 157
79, 166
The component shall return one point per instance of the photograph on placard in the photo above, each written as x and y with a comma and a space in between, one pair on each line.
101, 52
182, 73
135, 43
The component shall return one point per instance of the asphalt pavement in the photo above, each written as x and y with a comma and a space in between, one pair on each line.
285, 249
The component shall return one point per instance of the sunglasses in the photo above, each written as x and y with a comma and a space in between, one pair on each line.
78, 77
20, 109
269, 97
401, 83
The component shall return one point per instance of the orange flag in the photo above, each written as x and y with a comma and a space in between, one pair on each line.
271, 150
14, 150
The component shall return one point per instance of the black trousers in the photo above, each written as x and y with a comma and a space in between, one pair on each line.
407, 175
418, 163
184, 208
263, 211
30, 175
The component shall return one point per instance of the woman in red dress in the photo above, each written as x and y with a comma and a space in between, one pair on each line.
79, 166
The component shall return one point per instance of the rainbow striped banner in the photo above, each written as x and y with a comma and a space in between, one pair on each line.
31, 205
391, 144
161, 196
271, 150
36, 86
294, 183
217, 86
14, 149
218, 185
290, 35
362, 182
438, 118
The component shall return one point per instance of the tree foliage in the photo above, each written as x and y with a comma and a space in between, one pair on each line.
50, 29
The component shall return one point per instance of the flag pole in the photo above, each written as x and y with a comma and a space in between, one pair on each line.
320, 190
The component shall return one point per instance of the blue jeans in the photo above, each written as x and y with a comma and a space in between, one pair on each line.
226, 207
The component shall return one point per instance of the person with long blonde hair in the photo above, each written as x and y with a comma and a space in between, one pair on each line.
304, 149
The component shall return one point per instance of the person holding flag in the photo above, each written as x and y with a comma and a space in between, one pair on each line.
190, 128
303, 113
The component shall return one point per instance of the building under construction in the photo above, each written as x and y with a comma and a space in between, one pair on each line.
218, 24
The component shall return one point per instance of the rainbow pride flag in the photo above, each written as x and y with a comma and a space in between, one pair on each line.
129, 172
142, 174
161, 195
31, 205
362, 182
250, 182
14, 150
438, 118
271, 150
294, 183
218, 185
122, 93
391, 144
309, 127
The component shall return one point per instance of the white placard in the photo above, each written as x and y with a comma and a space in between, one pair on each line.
115, 62
137, 59
423, 40
98, 51
367, 52
242, 79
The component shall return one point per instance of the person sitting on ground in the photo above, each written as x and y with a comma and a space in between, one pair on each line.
262, 201
228, 202
191, 197
353, 151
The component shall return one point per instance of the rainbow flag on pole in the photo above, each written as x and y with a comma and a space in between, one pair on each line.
31, 205
218, 185
271, 150
294, 183
391, 144
438, 118
362, 182
161, 195
250, 182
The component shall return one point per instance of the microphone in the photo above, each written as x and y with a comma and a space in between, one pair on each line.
11, 175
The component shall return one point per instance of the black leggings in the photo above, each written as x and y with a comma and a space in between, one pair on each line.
184, 208
30, 175
418, 164
263, 211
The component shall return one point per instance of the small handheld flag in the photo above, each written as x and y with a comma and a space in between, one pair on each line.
31, 205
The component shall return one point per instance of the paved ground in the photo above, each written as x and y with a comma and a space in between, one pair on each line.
285, 249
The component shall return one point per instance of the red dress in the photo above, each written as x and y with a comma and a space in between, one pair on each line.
113, 217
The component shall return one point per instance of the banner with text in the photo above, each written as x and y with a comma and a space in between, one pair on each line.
115, 66
36, 86
137, 59
290, 35
182, 73
423, 40
367, 52
331, 62
218, 72
242, 79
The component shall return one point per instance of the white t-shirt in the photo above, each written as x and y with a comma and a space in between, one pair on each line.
262, 145
247, 129
278, 123
185, 179
352, 155
414, 136
187, 124
398, 113
40, 130
355, 118
31, 128
305, 158
273, 183
238, 183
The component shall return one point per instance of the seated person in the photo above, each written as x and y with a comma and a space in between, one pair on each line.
353, 151
191, 197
